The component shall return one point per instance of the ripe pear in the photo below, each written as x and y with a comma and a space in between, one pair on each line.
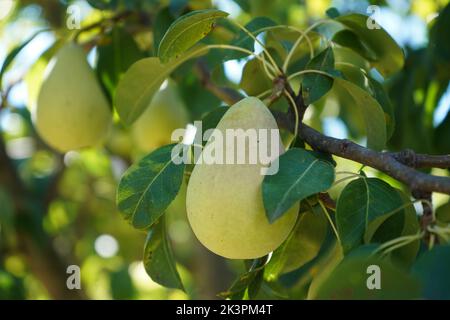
224, 201
72, 111
165, 113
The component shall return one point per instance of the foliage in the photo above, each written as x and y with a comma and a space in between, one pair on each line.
306, 70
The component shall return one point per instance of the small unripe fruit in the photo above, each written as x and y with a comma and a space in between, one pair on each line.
165, 114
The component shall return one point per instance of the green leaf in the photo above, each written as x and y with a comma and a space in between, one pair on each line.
159, 261
443, 213
254, 80
186, 31
163, 20
368, 108
432, 269
243, 40
349, 280
14, 52
316, 85
247, 283
149, 186
364, 203
116, 57
343, 55
300, 175
141, 81
302, 245
377, 45
359, 77
103, 4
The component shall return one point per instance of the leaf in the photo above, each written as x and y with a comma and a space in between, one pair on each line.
14, 52
316, 85
243, 40
210, 121
141, 81
376, 90
163, 20
103, 4
362, 203
116, 57
302, 245
249, 282
387, 57
186, 31
432, 270
348, 281
300, 175
149, 186
254, 80
370, 110
159, 261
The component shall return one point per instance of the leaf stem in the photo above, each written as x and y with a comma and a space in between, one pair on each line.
250, 34
231, 47
309, 71
327, 214
297, 42
297, 117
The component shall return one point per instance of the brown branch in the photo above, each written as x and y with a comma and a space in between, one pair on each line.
382, 161
100, 24
393, 164
416, 160
225, 94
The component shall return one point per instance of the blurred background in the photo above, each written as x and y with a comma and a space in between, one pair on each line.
58, 210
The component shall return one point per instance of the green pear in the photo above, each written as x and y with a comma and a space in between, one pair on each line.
72, 111
224, 201
165, 113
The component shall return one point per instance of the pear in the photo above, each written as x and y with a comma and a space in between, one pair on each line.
72, 112
165, 113
224, 201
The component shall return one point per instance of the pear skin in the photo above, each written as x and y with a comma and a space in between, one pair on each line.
224, 201
72, 111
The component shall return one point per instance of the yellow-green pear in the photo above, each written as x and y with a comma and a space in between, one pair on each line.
72, 111
165, 113
224, 201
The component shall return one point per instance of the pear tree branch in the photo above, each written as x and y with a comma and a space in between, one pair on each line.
399, 165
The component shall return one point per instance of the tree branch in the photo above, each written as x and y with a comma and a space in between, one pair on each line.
393, 164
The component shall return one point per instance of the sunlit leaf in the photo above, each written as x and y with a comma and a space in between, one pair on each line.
186, 31
374, 44
254, 80
369, 109
141, 81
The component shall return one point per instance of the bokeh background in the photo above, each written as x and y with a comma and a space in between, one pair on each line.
67, 213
